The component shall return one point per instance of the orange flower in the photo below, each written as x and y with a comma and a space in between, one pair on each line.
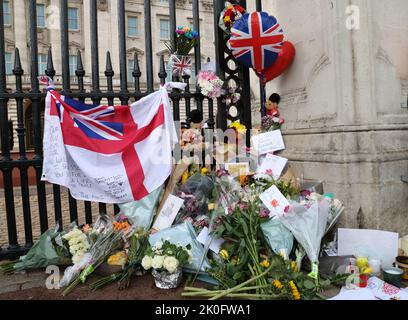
274, 203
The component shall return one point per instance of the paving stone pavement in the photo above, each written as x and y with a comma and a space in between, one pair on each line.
18, 203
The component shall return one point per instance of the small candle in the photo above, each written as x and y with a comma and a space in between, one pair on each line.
375, 265
393, 276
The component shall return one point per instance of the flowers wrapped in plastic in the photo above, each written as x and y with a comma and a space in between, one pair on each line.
195, 191
210, 84
184, 235
140, 213
48, 250
307, 222
278, 237
105, 240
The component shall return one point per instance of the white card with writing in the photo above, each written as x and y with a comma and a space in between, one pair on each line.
274, 163
215, 244
168, 213
236, 169
268, 142
275, 201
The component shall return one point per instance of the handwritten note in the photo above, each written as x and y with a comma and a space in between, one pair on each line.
273, 163
274, 201
168, 213
268, 142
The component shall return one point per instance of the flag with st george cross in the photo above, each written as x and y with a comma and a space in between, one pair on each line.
256, 40
110, 154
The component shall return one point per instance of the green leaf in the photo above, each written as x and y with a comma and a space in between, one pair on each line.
309, 284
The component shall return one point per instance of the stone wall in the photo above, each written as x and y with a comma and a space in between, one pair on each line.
344, 100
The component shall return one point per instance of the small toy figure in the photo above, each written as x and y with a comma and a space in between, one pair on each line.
272, 105
196, 119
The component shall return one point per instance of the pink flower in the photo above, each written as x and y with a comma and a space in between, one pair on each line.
286, 210
243, 206
269, 172
263, 213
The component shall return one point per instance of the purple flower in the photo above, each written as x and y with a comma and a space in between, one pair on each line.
243, 206
264, 213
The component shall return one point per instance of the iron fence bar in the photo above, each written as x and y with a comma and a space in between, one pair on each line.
136, 73
94, 51
196, 24
262, 93
122, 53
173, 26
36, 114
187, 95
162, 72
109, 73
148, 45
258, 5
25, 194
219, 37
5, 145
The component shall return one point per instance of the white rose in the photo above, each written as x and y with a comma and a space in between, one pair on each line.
159, 245
147, 262
170, 264
190, 256
157, 262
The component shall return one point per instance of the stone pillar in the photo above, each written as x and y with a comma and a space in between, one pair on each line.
344, 100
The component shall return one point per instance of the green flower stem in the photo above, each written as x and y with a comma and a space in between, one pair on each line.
243, 284
72, 286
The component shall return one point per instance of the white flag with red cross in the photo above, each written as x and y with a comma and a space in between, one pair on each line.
111, 154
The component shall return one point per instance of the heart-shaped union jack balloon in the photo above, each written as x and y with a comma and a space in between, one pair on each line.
256, 40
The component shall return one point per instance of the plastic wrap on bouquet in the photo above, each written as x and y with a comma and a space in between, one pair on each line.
180, 65
307, 222
279, 238
140, 213
167, 280
184, 234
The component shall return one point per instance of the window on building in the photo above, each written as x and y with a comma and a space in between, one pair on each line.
164, 1
41, 15
72, 64
73, 20
9, 63
164, 29
131, 64
42, 63
6, 12
132, 26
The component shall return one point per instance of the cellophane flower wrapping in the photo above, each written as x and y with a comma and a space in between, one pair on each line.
104, 241
277, 236
229, 191
184, 235
140, 213
210, 84
195, 191
48, 250
307, 222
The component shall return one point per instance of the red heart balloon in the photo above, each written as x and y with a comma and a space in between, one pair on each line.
285, 59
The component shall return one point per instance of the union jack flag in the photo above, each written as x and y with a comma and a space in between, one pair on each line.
181, 65
256, 40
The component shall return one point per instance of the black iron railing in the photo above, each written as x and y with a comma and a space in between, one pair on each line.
23, 162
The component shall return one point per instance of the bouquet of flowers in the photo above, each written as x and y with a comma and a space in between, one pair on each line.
210, 84
166, 259
139, 243
270, 123
229, 15
106, 239
78, 244
50, 249
179, 61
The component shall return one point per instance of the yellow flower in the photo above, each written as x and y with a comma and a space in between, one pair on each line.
265, 263
224, 254
293, 266
277, 284
204, 171
184, 177
211, 206
186, 29
239, 127
295, 291
227, 19
367, 270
